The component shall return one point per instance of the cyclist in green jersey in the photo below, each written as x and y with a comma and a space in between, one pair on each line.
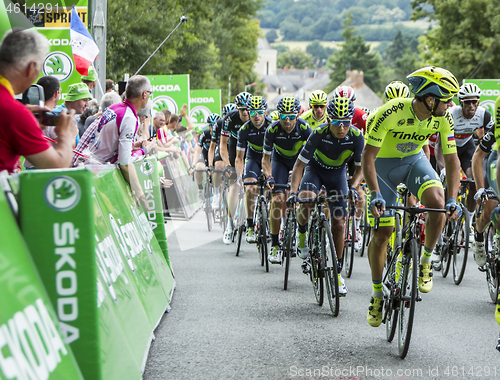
393, 155
316, 115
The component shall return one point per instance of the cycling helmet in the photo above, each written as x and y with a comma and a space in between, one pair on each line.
257, 103
242, 99
212, 118
340, 108
288, 104
228, 108
275, 115
433, 81
345, 92
366, 110
396, 89
469, 89
317, 98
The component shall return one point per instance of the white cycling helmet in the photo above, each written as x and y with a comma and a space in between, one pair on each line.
468, 89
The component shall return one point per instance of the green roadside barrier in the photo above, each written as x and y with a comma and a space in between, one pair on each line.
31, 346
101, 264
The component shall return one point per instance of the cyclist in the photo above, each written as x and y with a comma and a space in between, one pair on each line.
282, 144
393, 155
469, 118
359, 118
228, 140
200, 156
322, 162
214, 152
485, 183
275, 115
251, 136
316, 115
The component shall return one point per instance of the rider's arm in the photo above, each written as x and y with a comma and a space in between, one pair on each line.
477, 167
298, 169
368, 164
223, 149
480, 133
438, 153
452, 165
239, 162
427, 151
266, 165
196, 155
211, 153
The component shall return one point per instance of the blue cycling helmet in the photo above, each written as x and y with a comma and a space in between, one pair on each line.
212, 118
242, 100
229, 107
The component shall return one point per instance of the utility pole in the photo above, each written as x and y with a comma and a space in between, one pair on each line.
98, 25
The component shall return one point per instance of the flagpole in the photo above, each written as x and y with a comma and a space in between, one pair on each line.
183, 19
98, 81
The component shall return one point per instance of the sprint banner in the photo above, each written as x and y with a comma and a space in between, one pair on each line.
203, 103
170, 92
490, 92
101, 265
31, 345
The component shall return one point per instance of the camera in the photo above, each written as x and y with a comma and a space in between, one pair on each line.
33, 96
48, 118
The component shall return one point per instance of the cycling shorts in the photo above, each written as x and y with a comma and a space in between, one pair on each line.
281, 168
465, 154
217, 156
334, 182
414, 171
491, 172
252, 169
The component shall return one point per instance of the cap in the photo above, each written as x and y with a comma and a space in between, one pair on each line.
78, 91
90, 75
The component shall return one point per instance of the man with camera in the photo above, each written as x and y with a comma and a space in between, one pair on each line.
21, 57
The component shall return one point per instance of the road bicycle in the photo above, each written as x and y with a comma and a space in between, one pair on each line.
364, 224
349, 239
207, 197
322, 261
261, 220
288, 243
239, 220
401, 280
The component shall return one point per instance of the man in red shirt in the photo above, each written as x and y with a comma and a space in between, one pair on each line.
21, 58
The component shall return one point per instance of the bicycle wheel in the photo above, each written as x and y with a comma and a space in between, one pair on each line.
460, 249
288, 245
391, 307
223, 211
447, 250
263, 248
349, 237
408, 281
240, 232
366, 230
329, 269
315, 275
491, 264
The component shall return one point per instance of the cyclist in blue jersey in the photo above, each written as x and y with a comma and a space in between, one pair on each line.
282, 144
322, 162
248, 166
228, 140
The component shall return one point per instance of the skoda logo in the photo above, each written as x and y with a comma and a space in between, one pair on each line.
165, 102
146, 168
59, 65
62, 193
200, 114
490, 106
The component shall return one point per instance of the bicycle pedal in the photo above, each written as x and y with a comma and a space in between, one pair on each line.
418, 299
482, 269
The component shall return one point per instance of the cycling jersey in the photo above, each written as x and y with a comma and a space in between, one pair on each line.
216, 131
325, 151
231, 124
309, 117
397, 131
286, 145
253, 138
368, 123
465, 128
204, 140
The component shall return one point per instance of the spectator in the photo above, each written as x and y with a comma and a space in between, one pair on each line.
51, 90
144, 121
107, 100
89, 79
22, 53
91, 110
110, 86
158, 122
110, 138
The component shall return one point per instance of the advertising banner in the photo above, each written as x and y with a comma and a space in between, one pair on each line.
490, 92
31, 345
52, 20
203, 103
170, 92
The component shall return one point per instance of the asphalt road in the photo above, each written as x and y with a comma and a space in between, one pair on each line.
232, 320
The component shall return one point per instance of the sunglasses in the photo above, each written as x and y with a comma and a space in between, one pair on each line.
258, 112
318, 106
475, 101
341, 123
242, 108
288, 117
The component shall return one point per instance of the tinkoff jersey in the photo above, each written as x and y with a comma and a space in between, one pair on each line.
398, 132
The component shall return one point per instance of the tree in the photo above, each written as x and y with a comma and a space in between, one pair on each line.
355, 55
271, 36
296, 58
465, 40
319, 53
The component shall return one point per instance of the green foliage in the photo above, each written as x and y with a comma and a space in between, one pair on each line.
465, 40
219, 39
281, 48
271, 36
355, 55
319, 53
296, 58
